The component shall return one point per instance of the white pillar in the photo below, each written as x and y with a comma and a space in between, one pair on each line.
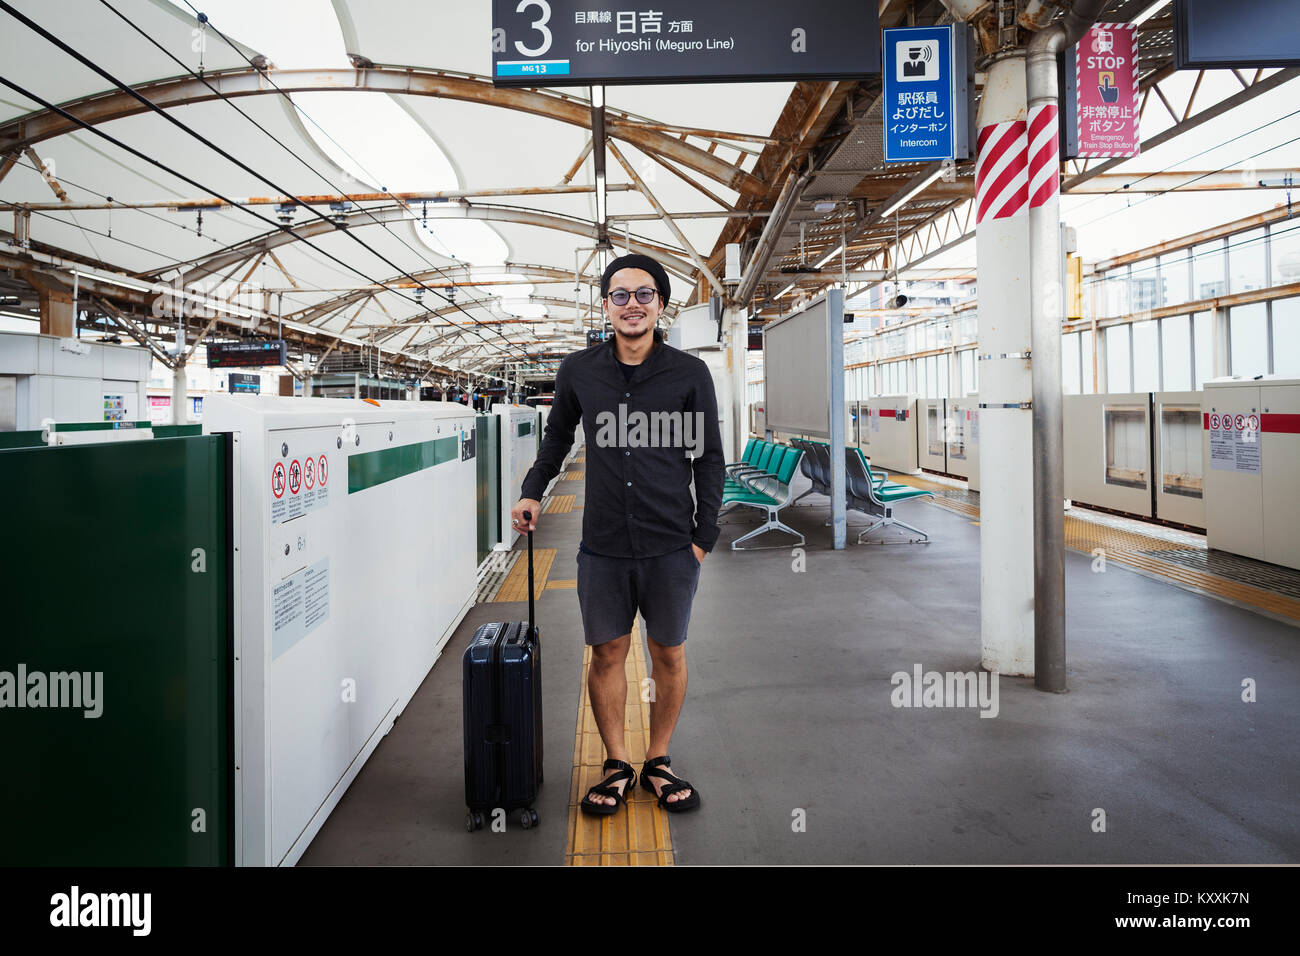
1005, 383
180, 414
738, 342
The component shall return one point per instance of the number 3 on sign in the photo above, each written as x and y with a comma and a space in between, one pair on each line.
539, 25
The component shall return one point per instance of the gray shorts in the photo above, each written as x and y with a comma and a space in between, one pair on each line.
612, 590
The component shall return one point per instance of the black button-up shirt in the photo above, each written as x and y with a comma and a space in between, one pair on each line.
638, 500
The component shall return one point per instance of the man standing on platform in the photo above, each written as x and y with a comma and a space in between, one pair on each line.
650, 416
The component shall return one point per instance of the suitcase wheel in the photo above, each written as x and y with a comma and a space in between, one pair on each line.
473, 821
528, 819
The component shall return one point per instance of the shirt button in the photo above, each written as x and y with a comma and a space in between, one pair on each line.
626, 453
629, 484
627, 394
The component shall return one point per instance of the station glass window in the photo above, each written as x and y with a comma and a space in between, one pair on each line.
965, 374
1209, 270
1126, 445
1143, 288
1286, 337
1114, 293
1247, 265
1203, 342
1175, 277
1284, 251
942, 365
1180, 450
1176, 353
1248, 332
1086, 357
1070, 364
1118, 367
1146, 357
956, 426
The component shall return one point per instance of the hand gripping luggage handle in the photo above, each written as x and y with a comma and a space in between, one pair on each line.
531, 627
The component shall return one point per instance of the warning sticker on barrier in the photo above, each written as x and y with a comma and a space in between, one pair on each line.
1234, 443
298, 485
299, 604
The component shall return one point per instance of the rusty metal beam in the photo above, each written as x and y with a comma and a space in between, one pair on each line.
668, 220
199, 268
1205, 115
178, 205
46, 174
1191, 239
227, 84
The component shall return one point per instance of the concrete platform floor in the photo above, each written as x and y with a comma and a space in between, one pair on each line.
789, 709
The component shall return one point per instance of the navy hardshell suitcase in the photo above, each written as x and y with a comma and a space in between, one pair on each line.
503, 718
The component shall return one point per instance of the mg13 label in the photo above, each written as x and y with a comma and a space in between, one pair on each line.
299, 604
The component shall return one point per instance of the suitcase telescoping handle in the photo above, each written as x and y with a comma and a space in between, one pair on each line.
531, 626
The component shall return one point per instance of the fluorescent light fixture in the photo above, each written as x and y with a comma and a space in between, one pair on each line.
911, 194
1148, 13
598, 97
785, 290
600, 199
114, 281
829, 256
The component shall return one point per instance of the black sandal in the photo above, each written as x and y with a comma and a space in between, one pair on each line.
675, 784
606, 788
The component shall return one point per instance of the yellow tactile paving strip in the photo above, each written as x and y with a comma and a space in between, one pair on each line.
951, 504
638, 834
576, 475
558, 505
1133, 548
564, 583
515, 586
1128, 547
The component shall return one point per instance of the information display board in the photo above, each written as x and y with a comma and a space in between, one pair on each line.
568, 43
247, 354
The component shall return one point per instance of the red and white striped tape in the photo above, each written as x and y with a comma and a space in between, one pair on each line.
1001, 171
1044, 154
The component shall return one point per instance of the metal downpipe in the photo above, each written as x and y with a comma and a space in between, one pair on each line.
1047, 313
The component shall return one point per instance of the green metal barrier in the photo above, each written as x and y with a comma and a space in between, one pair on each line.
176, 431
487, 453
117, 564
26, 439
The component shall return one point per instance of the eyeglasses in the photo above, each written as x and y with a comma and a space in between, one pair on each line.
643, 295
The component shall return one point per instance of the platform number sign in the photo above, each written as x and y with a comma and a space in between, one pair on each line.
578, 43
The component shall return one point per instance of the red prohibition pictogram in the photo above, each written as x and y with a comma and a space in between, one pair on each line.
1214, 423
277, 479
295, 477
1239, 423
309, 473
324, 470
1253, 423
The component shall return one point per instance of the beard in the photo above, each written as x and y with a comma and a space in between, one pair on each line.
637, 333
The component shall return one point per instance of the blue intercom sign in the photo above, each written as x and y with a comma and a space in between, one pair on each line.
919, 94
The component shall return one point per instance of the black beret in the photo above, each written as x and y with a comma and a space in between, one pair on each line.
635, 261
